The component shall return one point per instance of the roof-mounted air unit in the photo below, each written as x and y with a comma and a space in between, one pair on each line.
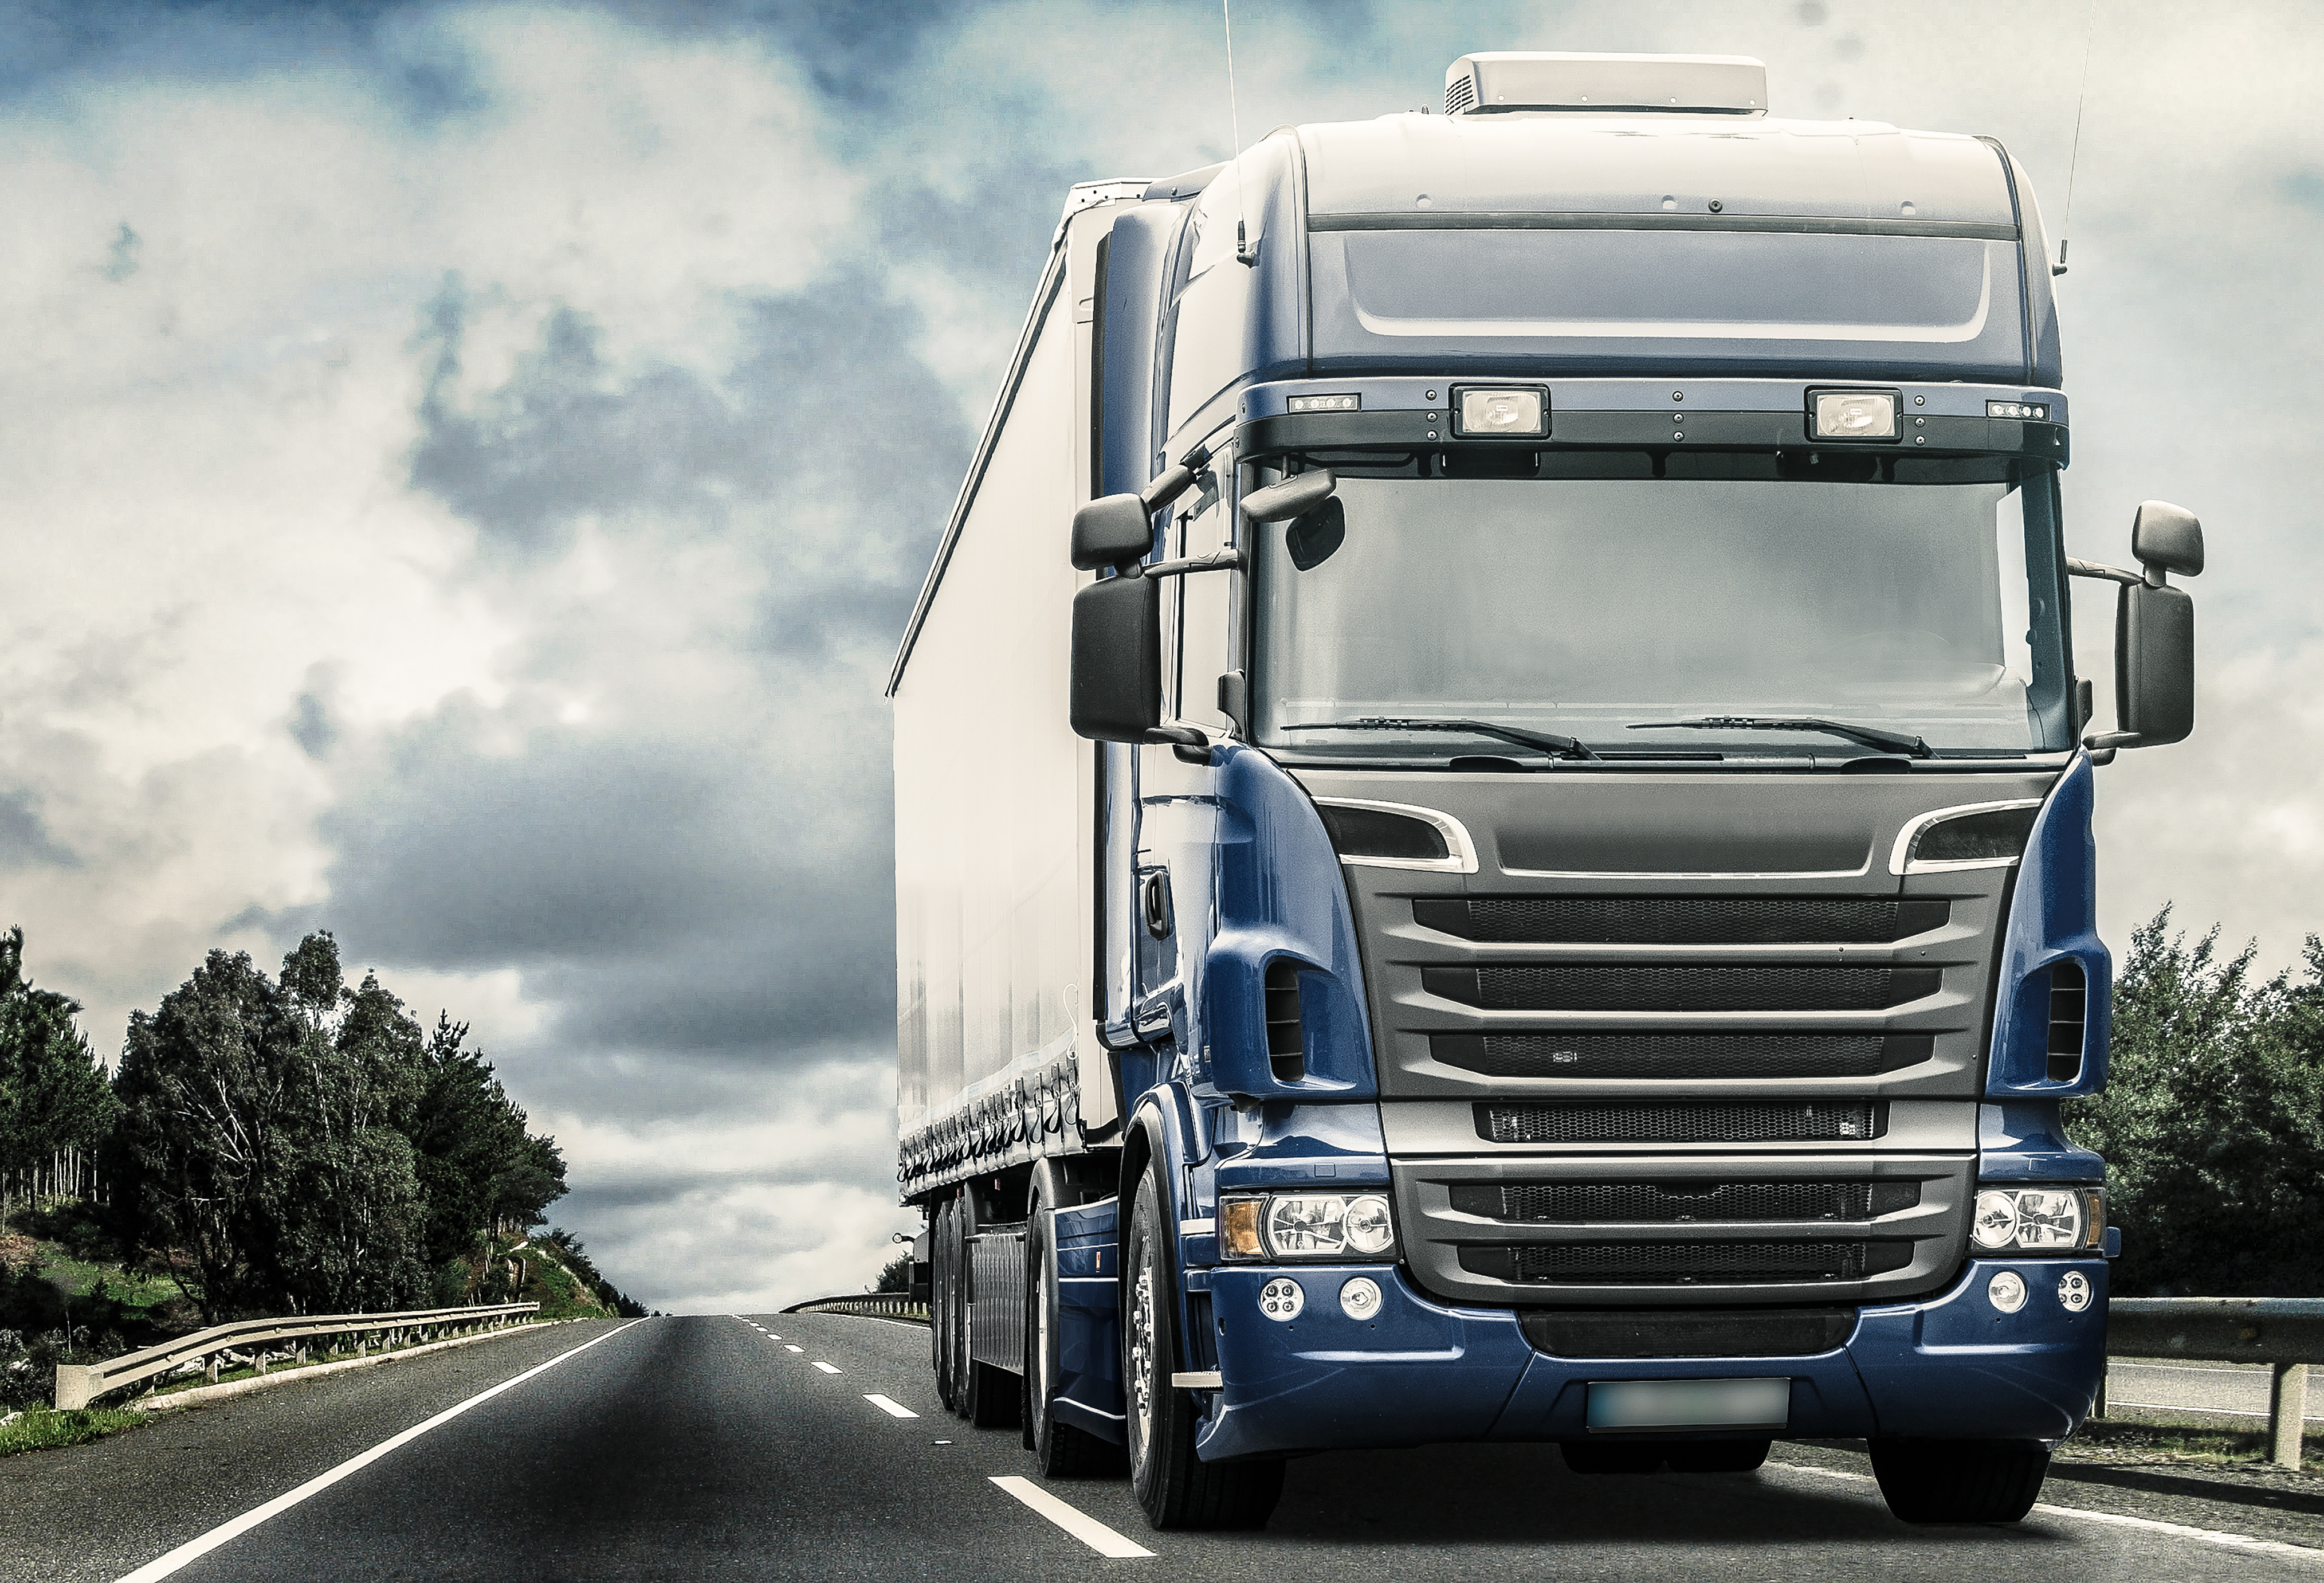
1503, 80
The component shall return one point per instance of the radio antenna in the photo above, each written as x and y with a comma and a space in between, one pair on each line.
1244, 252
2073, 160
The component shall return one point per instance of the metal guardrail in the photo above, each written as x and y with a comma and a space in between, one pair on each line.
79, 1385
880, 1305
2285, 1333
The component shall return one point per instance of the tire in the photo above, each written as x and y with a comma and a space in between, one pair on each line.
941, 1320
1176, 1488
1959, 1481
1716, 1456
1059, 1450
1599, 1457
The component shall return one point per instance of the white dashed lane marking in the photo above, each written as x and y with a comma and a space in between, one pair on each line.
892, 1409
793, 1350
1080, 1524
826, 1367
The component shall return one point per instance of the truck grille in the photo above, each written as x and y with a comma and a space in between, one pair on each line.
1676, 1264
1593, 987
1671, 1202
1820, 1121
1681, 1055
1691, 921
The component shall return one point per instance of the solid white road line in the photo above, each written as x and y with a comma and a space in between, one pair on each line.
2176, 1529
193, 1550
826, 1367
1082, 1526
892, 1409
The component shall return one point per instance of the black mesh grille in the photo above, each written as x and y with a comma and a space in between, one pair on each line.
1681, 1055
1796, 1122
1669, 1332
1676, 1264
1694, 920
1625, 987
1669, 1202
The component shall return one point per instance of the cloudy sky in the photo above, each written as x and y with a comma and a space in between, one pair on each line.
466, 466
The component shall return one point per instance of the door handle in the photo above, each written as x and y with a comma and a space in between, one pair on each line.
1154, 903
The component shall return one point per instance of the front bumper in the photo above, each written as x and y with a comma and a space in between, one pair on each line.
1419, 1372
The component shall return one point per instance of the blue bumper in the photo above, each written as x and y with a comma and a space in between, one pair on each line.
1419, 1372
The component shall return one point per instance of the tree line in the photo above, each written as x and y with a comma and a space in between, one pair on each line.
285, 1145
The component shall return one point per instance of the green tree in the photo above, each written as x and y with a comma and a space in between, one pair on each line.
263, 1134
53, 1091
478, 1166
2212, 1124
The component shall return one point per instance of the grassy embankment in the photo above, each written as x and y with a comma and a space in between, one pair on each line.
52, 1285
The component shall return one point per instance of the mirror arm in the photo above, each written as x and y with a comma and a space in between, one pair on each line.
1225, 561
2113, 574
1188, 744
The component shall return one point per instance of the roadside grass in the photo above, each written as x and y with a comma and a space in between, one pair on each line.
2156, 1437
41, 1430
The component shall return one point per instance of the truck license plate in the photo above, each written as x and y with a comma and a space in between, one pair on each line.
1616, 1404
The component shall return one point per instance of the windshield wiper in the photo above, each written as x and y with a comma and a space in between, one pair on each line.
1547, 741
1870, 735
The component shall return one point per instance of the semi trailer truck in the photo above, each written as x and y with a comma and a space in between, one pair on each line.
1493, 811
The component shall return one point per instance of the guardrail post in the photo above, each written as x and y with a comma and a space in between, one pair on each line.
72, 1385
2287, 1411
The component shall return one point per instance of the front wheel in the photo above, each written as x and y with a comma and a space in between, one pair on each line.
1177, 1489
1959, 1481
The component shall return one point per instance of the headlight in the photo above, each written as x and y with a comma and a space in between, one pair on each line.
2038, 1219
1307, 1225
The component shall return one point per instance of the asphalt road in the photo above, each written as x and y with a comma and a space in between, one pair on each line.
709, 1448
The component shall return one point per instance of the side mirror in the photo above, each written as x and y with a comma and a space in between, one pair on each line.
1114, 693
2155, 663
1112, 530
2164, 537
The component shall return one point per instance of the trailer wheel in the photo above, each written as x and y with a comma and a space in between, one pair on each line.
1959, 1481
1177, 1489
940, 1300
1059, 1450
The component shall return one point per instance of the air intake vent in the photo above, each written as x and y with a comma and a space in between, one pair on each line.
1820, 1121
1375, 832
1510, 79
1287, 1054
1679, 1264
2069, 999
1680, 920
1587, 1203
1681, 1333
1681, 1055
1614, 989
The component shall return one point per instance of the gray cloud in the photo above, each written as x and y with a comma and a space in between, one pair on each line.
24, 838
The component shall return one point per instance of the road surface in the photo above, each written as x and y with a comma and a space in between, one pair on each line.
797, 1446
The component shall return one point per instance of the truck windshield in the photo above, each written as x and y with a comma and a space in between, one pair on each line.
1603, 609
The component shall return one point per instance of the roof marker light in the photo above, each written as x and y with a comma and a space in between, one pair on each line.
1489, 413
1325, 403
2034, 410
1852, 414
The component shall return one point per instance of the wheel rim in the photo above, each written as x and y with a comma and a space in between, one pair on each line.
1141, 1348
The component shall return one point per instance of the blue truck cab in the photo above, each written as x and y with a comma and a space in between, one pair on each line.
1493, 816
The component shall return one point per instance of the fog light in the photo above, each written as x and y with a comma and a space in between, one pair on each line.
2074, 1292
1281, 1298
2006, 1291
1488, 414
1853, 414
1361, 1299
